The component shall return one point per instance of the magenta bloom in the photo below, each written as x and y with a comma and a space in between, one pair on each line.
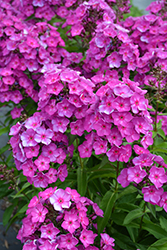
87, 237
42, 163
49, 231
152, 194
29, 168
100, 147
85, 150
60, 124
114, 60
121, 104
50, 151
62, 172
123, 178
157, 176
65, 108
136, 174
28, 138
107, 240
60, 199
163, 202
38, 213
43, 135
102, 127
123, 91
33, 122
70, 222
68, 241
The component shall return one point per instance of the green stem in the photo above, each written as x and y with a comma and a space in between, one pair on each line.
82, 166
141, 222
156, 112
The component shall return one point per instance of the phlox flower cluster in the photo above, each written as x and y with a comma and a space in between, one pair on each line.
148, 173
26, 46
111, 114
40, 151
59, 219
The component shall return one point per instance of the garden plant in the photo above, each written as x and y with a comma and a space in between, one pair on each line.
85, 84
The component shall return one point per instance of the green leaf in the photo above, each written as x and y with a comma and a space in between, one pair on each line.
154, 229
133, 232
127, 190
154, 133
162, 133
152, 209
159, 245
106, 205
133, 215
163, 223
126, 207
81, 181
7, 214
4, 130
4, 149
159, 150
27, 184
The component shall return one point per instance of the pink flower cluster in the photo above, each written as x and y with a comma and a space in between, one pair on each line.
148, 172
60, 219
110, 114
40, 151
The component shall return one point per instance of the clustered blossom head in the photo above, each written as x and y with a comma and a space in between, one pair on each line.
148, 173
40, 151
59, 219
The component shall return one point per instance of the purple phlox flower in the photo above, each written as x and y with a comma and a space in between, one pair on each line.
77, 127
87, 237
50, 151
42, 163
70, 222
49, 231
157, 176
123, 91
29, 168
49, 245
143, 160
121, 104
106, 105
114, 60
28, 138
136, 174
40, 180
43, 135
65, 108
85, 150
51, 175
15, 129
141, 125
106, 240
152, 194
100, 146
138, 103
115, 137
38, 213
60, 199
62, 172
163, 201
114, 153
122, 118
68, 241
123, 178
102, 127
60, 124
33, 122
